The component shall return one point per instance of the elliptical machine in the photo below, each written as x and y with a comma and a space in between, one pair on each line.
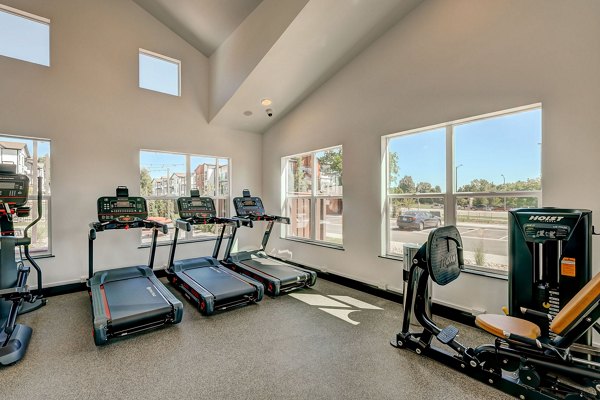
522, 361
15, 296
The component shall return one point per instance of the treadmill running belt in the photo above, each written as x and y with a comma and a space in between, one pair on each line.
220, 283
284, 272
134, 300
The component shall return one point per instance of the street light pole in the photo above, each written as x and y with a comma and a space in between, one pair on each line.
504, 189
456, 174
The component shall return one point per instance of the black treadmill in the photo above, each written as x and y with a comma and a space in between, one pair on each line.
129, 299
203, 280
277, 275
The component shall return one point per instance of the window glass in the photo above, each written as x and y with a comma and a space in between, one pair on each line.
411, 219
204, 170
159, 74
299, 171
489, 156
24, 36
313, 199
417, 162
501, 153
329, 172
164, 177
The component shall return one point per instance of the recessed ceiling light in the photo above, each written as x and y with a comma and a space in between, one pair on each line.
248, 113
266, 102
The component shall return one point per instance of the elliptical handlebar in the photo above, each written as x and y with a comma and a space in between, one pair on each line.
39, 207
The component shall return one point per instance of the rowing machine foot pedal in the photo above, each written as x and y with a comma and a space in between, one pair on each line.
447, 334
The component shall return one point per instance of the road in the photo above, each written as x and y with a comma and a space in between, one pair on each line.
493, 239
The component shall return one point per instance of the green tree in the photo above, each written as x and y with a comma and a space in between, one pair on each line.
145, 182
407, 185
393, 168
332, 162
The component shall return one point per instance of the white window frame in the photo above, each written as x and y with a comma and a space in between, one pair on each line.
451, 195
314, 199
163, 58
35, 18
189, 238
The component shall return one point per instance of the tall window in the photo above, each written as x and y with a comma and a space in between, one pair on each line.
32, 158
160, 73
467, 173
313, 196
24, 36
164, 177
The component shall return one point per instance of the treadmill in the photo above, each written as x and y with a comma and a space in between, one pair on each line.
129, 299
277, 275
203, 280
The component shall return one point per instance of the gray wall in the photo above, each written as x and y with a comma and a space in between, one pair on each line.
89, 104
445, 61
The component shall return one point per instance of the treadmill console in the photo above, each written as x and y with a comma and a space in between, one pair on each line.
196, 206
122, 207
248, 206
14, 189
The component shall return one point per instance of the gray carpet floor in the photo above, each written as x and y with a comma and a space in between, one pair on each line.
279, 348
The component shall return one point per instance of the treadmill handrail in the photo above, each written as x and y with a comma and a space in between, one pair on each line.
186, 223
116, 224
268, 217
243, 221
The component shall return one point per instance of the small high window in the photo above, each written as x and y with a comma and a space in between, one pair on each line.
160, 73
24, 36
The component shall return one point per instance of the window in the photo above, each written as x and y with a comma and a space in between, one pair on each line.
32, 158
159, 73
467, 173
313, 196
164, 177
24, 36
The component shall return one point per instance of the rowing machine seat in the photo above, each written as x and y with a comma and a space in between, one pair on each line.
500, 325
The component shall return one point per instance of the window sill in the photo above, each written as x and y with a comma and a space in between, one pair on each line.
469, 269
490, 273
392, 257
316, 243
41, 256
170, 242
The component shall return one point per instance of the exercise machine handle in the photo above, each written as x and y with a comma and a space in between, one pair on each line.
244, 221
228, 221
164, 228
535, 313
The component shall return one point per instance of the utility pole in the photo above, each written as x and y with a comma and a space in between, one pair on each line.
504, 189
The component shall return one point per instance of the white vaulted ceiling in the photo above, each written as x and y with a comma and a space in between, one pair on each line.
277, 49
204, 24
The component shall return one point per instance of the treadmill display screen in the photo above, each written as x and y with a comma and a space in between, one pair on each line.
7, 185
199, 207
246, 206
128, 210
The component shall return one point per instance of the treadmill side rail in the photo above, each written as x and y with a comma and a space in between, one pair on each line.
176, 305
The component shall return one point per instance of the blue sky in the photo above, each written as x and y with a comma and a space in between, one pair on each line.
509, 145
24, 38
